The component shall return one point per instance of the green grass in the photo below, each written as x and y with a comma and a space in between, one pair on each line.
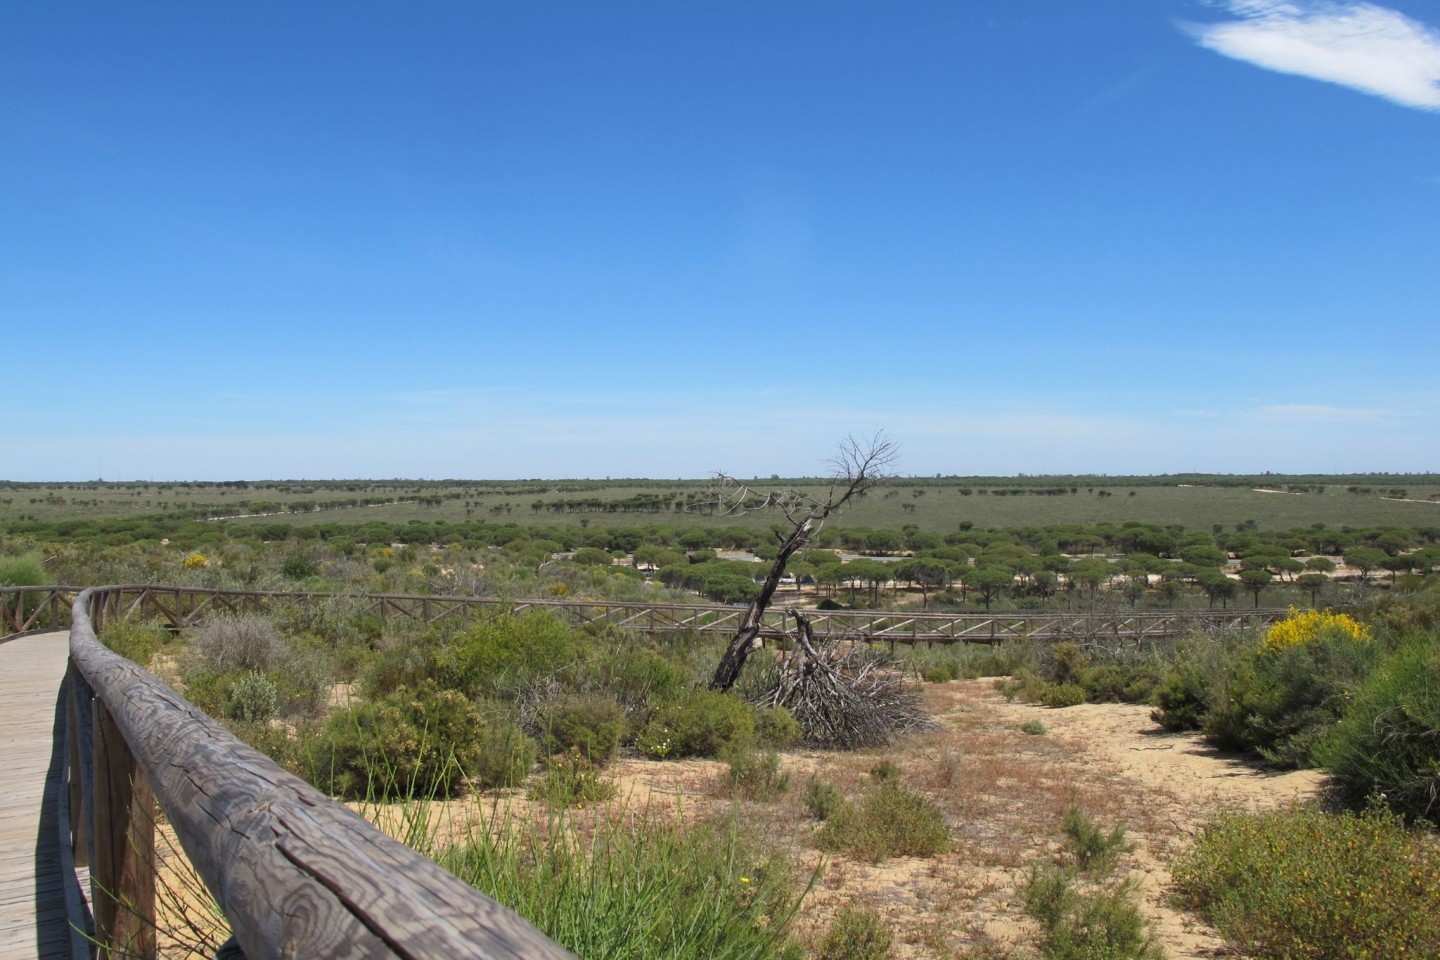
638, 886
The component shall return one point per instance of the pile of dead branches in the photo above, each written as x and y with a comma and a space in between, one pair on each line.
844, 694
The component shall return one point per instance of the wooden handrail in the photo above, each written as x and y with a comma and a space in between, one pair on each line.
295, 873
27, 609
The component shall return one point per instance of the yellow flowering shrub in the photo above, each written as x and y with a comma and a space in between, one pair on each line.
1304, 626
195, 561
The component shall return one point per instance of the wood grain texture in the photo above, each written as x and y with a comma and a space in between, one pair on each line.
33, 918
297, 874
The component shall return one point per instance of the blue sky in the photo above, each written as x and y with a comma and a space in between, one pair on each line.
542, 239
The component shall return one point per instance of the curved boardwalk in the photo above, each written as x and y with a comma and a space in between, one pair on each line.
32, 902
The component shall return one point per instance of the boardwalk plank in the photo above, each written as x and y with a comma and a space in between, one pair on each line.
33, 921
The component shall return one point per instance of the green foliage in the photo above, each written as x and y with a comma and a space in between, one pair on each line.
1034, 728
26, 570
885, 772
1280, 702
755, 774
640, 887
702, 724
1062, 695
940, 674
1388, 741
1092, 848
1103, 923
591, 725
253, 699
822, 799
420, 742
776, 728
134, 640
571, 780
856, 933
890, 821
1309, 885
497, 655
227, 644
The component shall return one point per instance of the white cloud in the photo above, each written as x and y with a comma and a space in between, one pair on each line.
1361, 45
1317, 413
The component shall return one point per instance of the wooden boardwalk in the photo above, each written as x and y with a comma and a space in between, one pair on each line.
33, 920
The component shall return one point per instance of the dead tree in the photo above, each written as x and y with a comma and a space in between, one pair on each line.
857, 467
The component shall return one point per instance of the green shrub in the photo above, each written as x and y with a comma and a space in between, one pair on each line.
412, 743
822, 799
640, 680
1280, 702
1310, 885
134, 640
571, 780
1194, 678
501, 755
26, 570
1388, 741
856, 933
702, 724
1092, 848
498, 655
939, 674
776, 728
885, 772
1100, 924
1034, 728
1024, 685
591, 724
890, 821
638, 886
253, 699
755, 774
1062, 695
227, 644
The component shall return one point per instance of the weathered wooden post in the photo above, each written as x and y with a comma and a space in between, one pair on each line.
122, 875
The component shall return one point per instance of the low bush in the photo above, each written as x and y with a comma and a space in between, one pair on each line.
26, 570
590, 724
499, 655
645, 886
1060, 695
1103, 923
775, 728
1092, 848
1034, 728
1388, 741
571, 780
822, 799
253, 698
228, 644
415, 743
702, 724
1279, 700
940, 674
755, 774
856, 933
134, 640
890, 821
1310, 885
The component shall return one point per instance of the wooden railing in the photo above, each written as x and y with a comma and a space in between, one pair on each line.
295, 873
25, 609
35, 609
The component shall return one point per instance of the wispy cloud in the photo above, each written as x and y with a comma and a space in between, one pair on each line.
1371, 48
1317, 413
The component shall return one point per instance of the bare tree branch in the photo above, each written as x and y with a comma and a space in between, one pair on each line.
856, 468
